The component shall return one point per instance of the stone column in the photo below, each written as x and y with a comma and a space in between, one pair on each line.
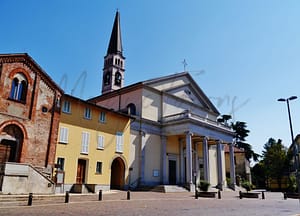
220, 165
164, 159
206, 159
196, 164
181, 161
189, 161
232, 165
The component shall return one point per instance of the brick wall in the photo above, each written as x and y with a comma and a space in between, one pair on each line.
38, 117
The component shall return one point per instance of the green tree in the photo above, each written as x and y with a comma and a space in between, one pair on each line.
275, 160
258, 175
241, 132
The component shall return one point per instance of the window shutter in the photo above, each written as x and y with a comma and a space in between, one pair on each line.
100, 142
85, 142
64, 135
119, 142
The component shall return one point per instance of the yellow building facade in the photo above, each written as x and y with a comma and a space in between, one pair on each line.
93, 147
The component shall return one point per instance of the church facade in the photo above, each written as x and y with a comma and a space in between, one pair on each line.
175, 137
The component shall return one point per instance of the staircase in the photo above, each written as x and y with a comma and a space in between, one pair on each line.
20, 178
169, 189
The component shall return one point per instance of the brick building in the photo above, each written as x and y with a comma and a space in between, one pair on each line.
29, 118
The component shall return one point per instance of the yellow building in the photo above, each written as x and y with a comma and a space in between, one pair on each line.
93, 147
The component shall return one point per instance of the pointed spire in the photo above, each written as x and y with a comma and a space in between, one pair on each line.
115, 43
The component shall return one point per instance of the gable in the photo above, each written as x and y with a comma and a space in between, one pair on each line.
186, 92
183, 86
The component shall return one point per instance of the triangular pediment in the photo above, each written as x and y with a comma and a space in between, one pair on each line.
186, 92
183, 86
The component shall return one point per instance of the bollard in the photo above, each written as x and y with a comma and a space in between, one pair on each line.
284, 196
128, 195
241, 195
100, 195
67, 197
30, 199
196, 194
219, 194
263, 195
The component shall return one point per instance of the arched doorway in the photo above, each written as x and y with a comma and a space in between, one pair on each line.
11, 140
117, 174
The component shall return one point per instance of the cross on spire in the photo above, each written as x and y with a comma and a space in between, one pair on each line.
184, 65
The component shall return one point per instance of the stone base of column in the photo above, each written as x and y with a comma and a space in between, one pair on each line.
232, 186
220, 186
191, 187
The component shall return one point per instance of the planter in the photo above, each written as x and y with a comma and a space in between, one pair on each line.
249, 195
291, 195
206, 194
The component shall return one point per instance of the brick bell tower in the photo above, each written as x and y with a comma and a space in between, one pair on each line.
114, 61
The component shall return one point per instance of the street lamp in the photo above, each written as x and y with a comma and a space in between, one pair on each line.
289, 112
295, 147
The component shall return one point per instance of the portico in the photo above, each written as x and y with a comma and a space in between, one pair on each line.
198, 151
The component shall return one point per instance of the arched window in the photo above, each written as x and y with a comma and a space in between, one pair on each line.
107, 78
131, 109
118, 79
19, 86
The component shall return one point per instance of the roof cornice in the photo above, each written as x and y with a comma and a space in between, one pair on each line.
29, 61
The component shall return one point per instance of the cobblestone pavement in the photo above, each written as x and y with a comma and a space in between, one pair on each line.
151, 203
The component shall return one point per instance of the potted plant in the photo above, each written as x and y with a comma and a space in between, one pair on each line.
248, 186
204, 185
203, 189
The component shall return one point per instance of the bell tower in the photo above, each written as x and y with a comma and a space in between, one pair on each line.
114, 61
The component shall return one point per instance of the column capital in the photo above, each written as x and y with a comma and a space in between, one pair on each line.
188, 133
219, 141
142, 132
206, 138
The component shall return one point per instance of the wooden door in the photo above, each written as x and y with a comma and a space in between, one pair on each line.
80, 179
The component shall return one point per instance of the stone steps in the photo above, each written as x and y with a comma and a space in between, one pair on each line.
169, 189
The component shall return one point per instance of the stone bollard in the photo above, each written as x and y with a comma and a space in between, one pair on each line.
100, 195
67, 197
30, 199
284, 196
128, 195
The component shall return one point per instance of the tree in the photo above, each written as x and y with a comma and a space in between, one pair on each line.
241, 132
258, 175
275, 160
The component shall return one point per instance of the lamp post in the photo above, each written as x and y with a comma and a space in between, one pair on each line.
295, 148
289, 112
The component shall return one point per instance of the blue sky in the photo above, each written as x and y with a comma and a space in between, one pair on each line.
243, 54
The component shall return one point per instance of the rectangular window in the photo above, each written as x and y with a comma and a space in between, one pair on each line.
60, 164
87, 113
119, 142
100, 144
66, 107
99, 167
85, 140
102, 117
64, 135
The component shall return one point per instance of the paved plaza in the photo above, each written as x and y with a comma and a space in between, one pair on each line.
153, 203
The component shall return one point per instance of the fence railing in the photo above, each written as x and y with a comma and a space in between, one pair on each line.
189, 115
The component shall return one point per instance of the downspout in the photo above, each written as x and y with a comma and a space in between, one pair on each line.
51, 128
32, 96
119, 101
